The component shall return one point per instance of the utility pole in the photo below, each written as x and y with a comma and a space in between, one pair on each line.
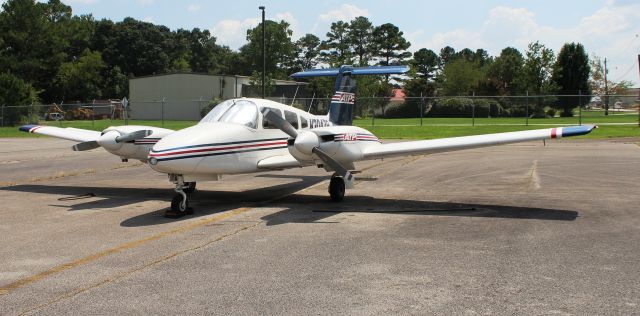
264, 57
638, 101
606, 90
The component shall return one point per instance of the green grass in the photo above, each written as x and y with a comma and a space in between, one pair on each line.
409, 128
588, 117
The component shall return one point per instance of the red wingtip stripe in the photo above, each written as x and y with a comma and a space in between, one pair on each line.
553, 133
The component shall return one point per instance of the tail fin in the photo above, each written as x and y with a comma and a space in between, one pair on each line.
343, 101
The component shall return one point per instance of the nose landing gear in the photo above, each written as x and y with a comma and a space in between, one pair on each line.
180, 202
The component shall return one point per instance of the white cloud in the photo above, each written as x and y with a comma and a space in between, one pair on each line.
193, 8
293, 23
346, 12
233, 33
609, 32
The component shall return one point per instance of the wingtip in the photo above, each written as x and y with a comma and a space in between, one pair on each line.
27, 128
577, 130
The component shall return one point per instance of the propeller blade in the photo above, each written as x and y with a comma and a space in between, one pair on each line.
133, 136
334, 164
85, 146
280, 123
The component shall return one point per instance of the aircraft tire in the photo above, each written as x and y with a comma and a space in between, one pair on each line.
176, 204
336, 189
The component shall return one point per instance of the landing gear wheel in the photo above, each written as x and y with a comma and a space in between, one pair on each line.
178, 208
189, 187
336, 189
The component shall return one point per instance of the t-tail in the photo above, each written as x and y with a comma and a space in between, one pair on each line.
343, 100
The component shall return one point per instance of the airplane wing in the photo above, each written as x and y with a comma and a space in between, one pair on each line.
458, 143
70, 133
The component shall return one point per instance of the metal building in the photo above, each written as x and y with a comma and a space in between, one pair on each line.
181, 96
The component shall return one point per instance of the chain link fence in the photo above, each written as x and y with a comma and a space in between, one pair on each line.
369, 111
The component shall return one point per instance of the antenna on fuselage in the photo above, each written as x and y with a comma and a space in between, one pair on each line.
295, 94
311, 103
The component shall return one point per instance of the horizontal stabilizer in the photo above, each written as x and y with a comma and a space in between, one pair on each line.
373, 70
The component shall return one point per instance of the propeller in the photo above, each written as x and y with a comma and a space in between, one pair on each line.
111, 140
307, 142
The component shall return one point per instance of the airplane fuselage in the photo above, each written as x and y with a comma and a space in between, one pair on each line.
215, 148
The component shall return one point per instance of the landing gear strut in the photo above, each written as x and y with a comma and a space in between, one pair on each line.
336, 188
180, 202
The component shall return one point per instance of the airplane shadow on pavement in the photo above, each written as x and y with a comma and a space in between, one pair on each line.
300, 208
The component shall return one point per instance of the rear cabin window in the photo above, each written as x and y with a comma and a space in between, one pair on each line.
265, 123
304, 122
292, 118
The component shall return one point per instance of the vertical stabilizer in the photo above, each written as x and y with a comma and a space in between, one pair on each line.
344, 98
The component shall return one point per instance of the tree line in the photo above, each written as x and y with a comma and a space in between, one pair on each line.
48, 55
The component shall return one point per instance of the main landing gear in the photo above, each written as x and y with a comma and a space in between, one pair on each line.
336, 188
180, 202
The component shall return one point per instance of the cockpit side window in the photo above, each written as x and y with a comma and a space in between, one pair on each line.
292, 118
303, 122
265, 123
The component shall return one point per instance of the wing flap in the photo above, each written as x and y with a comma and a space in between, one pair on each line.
279, 162
69, 133
458, 143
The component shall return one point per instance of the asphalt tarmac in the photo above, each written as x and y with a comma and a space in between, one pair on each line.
516, 229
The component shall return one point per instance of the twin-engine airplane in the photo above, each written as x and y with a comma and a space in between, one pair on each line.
252, 135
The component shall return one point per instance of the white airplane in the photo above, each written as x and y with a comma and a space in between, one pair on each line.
252, 135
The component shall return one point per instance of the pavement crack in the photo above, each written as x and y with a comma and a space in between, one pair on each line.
137, 269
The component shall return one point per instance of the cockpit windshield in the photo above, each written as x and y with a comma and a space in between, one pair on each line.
242, 112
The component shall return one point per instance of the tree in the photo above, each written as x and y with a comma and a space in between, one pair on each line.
506, 71
138, 48
279, 50
335, 49
461, 77
15, 92
80, 79
537, 70
359, 38
307, 51
596, 81
571, 75
390, 44
425, 63
33, 44
447, 55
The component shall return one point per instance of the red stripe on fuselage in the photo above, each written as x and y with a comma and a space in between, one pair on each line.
216, 149
553, 133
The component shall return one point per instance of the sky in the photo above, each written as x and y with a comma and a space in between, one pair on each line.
607, 28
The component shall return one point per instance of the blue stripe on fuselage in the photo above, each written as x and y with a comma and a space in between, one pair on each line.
218, 144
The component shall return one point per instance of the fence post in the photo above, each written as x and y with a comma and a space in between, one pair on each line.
526, 113
580, 107
2, 114
421, 107
163, 111
473, 109
93, 113
373, 112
